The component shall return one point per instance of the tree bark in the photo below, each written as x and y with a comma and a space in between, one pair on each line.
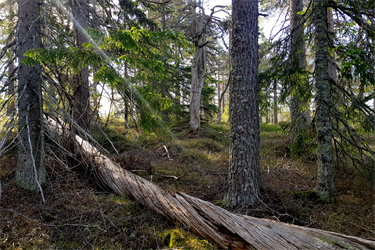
81, 92
326, 169
244, 170
225, 229
30, 172
332, 72
298, 62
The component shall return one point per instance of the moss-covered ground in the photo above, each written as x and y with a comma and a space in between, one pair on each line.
79, 215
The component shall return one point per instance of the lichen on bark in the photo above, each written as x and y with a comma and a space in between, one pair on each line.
244, 172
326, 169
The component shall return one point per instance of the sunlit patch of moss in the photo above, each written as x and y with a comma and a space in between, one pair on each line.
183, 240
121, 200
270, 127
220, 127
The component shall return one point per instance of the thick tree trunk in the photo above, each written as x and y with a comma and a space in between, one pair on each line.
81, 92
198, 71
326, 169
227, 230
298, 62
30, 172
244, 171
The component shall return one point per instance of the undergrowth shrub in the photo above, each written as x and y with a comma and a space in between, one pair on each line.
284, 125
270, 127
109, 137
305, 145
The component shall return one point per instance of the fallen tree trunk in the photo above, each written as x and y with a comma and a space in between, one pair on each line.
227, 230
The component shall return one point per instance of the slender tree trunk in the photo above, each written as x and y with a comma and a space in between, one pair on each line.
222, 97
268, 110
332, 72
244, 171
298, 62
95, 98
126, 100
11, 74
223, 108
30, 172
81, 92
275, 103
110, 107
218, 119
11, 104
198, 71
326, 170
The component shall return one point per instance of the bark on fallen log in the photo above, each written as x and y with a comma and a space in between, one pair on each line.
227, 230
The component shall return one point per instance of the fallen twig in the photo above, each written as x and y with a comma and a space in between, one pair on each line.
162, 175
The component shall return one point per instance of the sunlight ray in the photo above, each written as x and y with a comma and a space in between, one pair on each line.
106, 57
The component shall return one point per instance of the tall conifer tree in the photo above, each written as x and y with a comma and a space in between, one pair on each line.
326, 169
244, 171
30, 168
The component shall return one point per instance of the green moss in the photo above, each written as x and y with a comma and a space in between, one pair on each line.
269, 127
183, 240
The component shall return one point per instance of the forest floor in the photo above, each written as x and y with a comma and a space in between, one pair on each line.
79, 215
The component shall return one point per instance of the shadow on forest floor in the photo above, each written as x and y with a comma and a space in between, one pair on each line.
78, 215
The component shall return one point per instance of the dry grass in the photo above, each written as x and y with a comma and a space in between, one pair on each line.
77, 215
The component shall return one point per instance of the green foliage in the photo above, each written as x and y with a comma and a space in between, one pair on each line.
151, 105
208, 93
284, 125
176, 112
355, 64
151, 52
113, 136
305, 144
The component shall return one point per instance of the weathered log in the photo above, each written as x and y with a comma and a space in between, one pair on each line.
227, 230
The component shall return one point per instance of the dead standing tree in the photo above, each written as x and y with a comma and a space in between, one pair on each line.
198, 67
197, 35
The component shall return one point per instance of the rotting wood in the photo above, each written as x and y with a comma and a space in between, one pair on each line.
227, 230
